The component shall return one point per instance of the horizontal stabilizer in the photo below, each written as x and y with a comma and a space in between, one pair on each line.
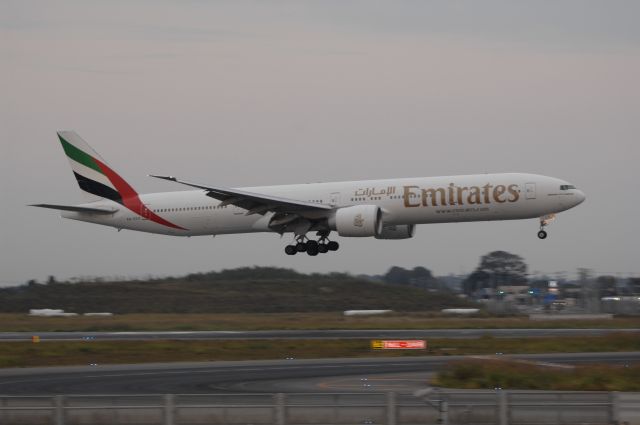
89, 210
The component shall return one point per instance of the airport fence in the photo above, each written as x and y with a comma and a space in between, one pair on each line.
441, 407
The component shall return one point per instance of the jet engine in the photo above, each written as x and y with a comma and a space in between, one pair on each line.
397, 231
358, 221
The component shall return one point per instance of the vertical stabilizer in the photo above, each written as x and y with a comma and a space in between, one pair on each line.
94, 176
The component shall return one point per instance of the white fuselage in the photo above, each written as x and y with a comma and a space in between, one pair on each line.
410, 201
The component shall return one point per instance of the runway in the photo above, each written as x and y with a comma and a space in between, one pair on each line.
253, 376
308, 334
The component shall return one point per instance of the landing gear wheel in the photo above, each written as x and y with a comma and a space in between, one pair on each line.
312, 249
323, 248
542, 234
333, 245
301, 247
290, 250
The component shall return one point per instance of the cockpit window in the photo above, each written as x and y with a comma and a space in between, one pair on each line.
567, 187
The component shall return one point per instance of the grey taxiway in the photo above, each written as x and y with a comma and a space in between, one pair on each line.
309, 334
320, 375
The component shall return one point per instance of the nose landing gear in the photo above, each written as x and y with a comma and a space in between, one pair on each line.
545, 221
311, 247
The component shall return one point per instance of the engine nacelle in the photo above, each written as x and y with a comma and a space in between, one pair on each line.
397, 231
358, 221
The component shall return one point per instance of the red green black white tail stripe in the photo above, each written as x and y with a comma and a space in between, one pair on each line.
84, 163
94, 176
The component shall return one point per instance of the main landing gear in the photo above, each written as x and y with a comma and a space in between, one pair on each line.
311, 247
544, 221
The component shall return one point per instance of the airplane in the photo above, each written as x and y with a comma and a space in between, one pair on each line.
383, 209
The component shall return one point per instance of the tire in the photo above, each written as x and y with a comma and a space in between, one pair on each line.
542, 234
301, 247
333, 246
290, 250
312, 245
312, 250
323, 248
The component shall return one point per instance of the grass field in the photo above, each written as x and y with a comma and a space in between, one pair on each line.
490, 374
16, 322
25, 354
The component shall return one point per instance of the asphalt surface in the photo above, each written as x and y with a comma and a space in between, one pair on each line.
245, 377
308, 334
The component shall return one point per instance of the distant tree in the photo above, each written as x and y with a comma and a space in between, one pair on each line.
606, 286
51, 280
422, 278
246, 273
419, 277
249, 293
421, 272
496, 269
397, 275
475, 281
505, 268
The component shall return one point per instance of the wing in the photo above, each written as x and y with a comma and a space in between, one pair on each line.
90, 210
254, 203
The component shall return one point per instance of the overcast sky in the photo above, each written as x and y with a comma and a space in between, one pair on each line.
240, 93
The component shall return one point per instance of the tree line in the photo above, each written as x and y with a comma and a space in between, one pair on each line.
495, 269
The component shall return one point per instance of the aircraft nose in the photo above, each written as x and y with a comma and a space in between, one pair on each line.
580, 197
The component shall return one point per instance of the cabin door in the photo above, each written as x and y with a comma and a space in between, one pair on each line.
530, 190
334, 199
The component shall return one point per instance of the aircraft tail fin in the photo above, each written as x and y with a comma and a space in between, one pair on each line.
93, 174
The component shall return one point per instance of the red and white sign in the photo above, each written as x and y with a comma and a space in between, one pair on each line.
412, 344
